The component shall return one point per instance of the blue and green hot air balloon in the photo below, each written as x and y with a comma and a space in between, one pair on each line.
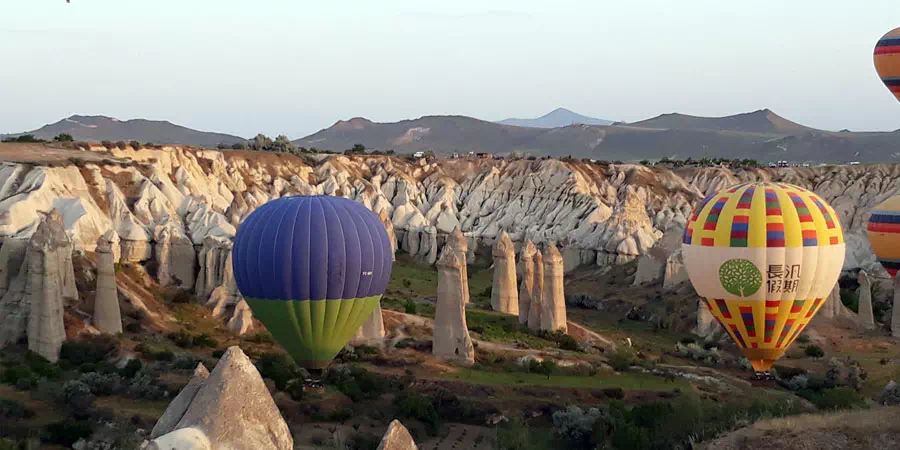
312, 269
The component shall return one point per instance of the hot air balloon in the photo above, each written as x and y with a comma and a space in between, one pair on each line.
884, 234
764, 257
887, 61
312, 269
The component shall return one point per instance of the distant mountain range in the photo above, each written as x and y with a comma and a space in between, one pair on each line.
102, 128
762, 135
559, 117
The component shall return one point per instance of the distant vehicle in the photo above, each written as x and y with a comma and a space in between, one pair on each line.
418, 154
484, 155
455, 156
854, 163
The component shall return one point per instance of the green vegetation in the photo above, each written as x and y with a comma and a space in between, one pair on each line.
184, 339
814, 351
24, 138
517, 435
279, 367
95, 350
63, 137
67, 432
417, 406
358, 383
598, 381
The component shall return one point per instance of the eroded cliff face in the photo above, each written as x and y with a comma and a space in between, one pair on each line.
597, 214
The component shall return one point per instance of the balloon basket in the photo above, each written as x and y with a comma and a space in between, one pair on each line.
313, 384
762, 379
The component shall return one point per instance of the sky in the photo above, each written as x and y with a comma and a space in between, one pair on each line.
294, 67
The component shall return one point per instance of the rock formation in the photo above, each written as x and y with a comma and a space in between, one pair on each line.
14, 307
866, 316
451, 339
179, 405
553, 297
51, 281
526, 287
676, 273
536, 303
397, 437
107, 316
895, 313
653, 266
458, 241
707, 325
389, 227
232, 409
241, 321
504, 296
215, 267
372, 331
175, 256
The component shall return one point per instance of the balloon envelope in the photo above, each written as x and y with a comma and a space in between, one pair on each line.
887, 61
884, 234
764, 256
312, 269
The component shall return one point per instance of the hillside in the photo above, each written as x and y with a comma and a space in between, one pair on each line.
761, 135
559, 117
102, 128
762, 121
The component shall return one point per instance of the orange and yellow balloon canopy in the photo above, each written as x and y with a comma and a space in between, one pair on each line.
764, 257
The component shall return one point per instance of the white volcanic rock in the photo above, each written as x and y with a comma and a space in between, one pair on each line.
652, 266
372, 331
676, 272
241, 321
49, 272
179, 405
553, 298
527, 286
707, 325
397, 437
504, 295
451, 335
107, 315
133, 236
12, 257
866, 316
389, 227
536, 304
215, 269
175, 256
233, 409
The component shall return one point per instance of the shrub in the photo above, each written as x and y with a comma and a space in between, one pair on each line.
545, 367
516, 435
185, 362
12, 375
803, 339
263, 337
357, 383
26, 383
87, 351
143, 387
101, 384
67, 432
294, 388
218, 353
108, 144
278, 367
410, 307
798, 383
154, 353
621, 360
890, 396
135, 145
132, 368
814, 351
363, 441
575, 426
63, 137
687, 340
13, 410
121, 145
417, 406
77, 395
834, 398
563, 340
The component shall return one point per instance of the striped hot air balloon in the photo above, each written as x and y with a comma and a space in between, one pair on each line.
764, 256
312, 269
887, 61
884, 234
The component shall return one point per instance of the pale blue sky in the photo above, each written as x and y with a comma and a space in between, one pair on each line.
293, 67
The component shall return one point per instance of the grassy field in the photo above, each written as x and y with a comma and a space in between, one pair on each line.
410, 281
598, 381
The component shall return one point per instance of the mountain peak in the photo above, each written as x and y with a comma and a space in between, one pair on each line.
96, 128
759, 121
559, 117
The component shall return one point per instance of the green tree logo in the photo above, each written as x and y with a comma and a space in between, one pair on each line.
740, 277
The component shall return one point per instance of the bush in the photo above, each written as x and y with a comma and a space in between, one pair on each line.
410, 307
101, 384
798, 383
121, 145
294, 388
834, 398
890, 396
77, 395
263, 337
87, 351
135, 145
814, 351
278, 367
621, 360
13, 410
108, 144
563, 340
185, 361
803, 339
154, 353
64, 137
143, 387
357, 383
68, 432
218, 353
575, 426
132, 368
545, 367
363, 441
12, 375
516, 435
417, 406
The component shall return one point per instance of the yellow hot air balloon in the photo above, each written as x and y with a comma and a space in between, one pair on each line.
884, 234
887, 61
764, 257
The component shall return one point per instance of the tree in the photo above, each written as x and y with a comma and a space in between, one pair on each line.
24, 138
238, 146
135, 144
282, 144
63, 137
429, 154
740, 277
358, 149
222, 146
260, 143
